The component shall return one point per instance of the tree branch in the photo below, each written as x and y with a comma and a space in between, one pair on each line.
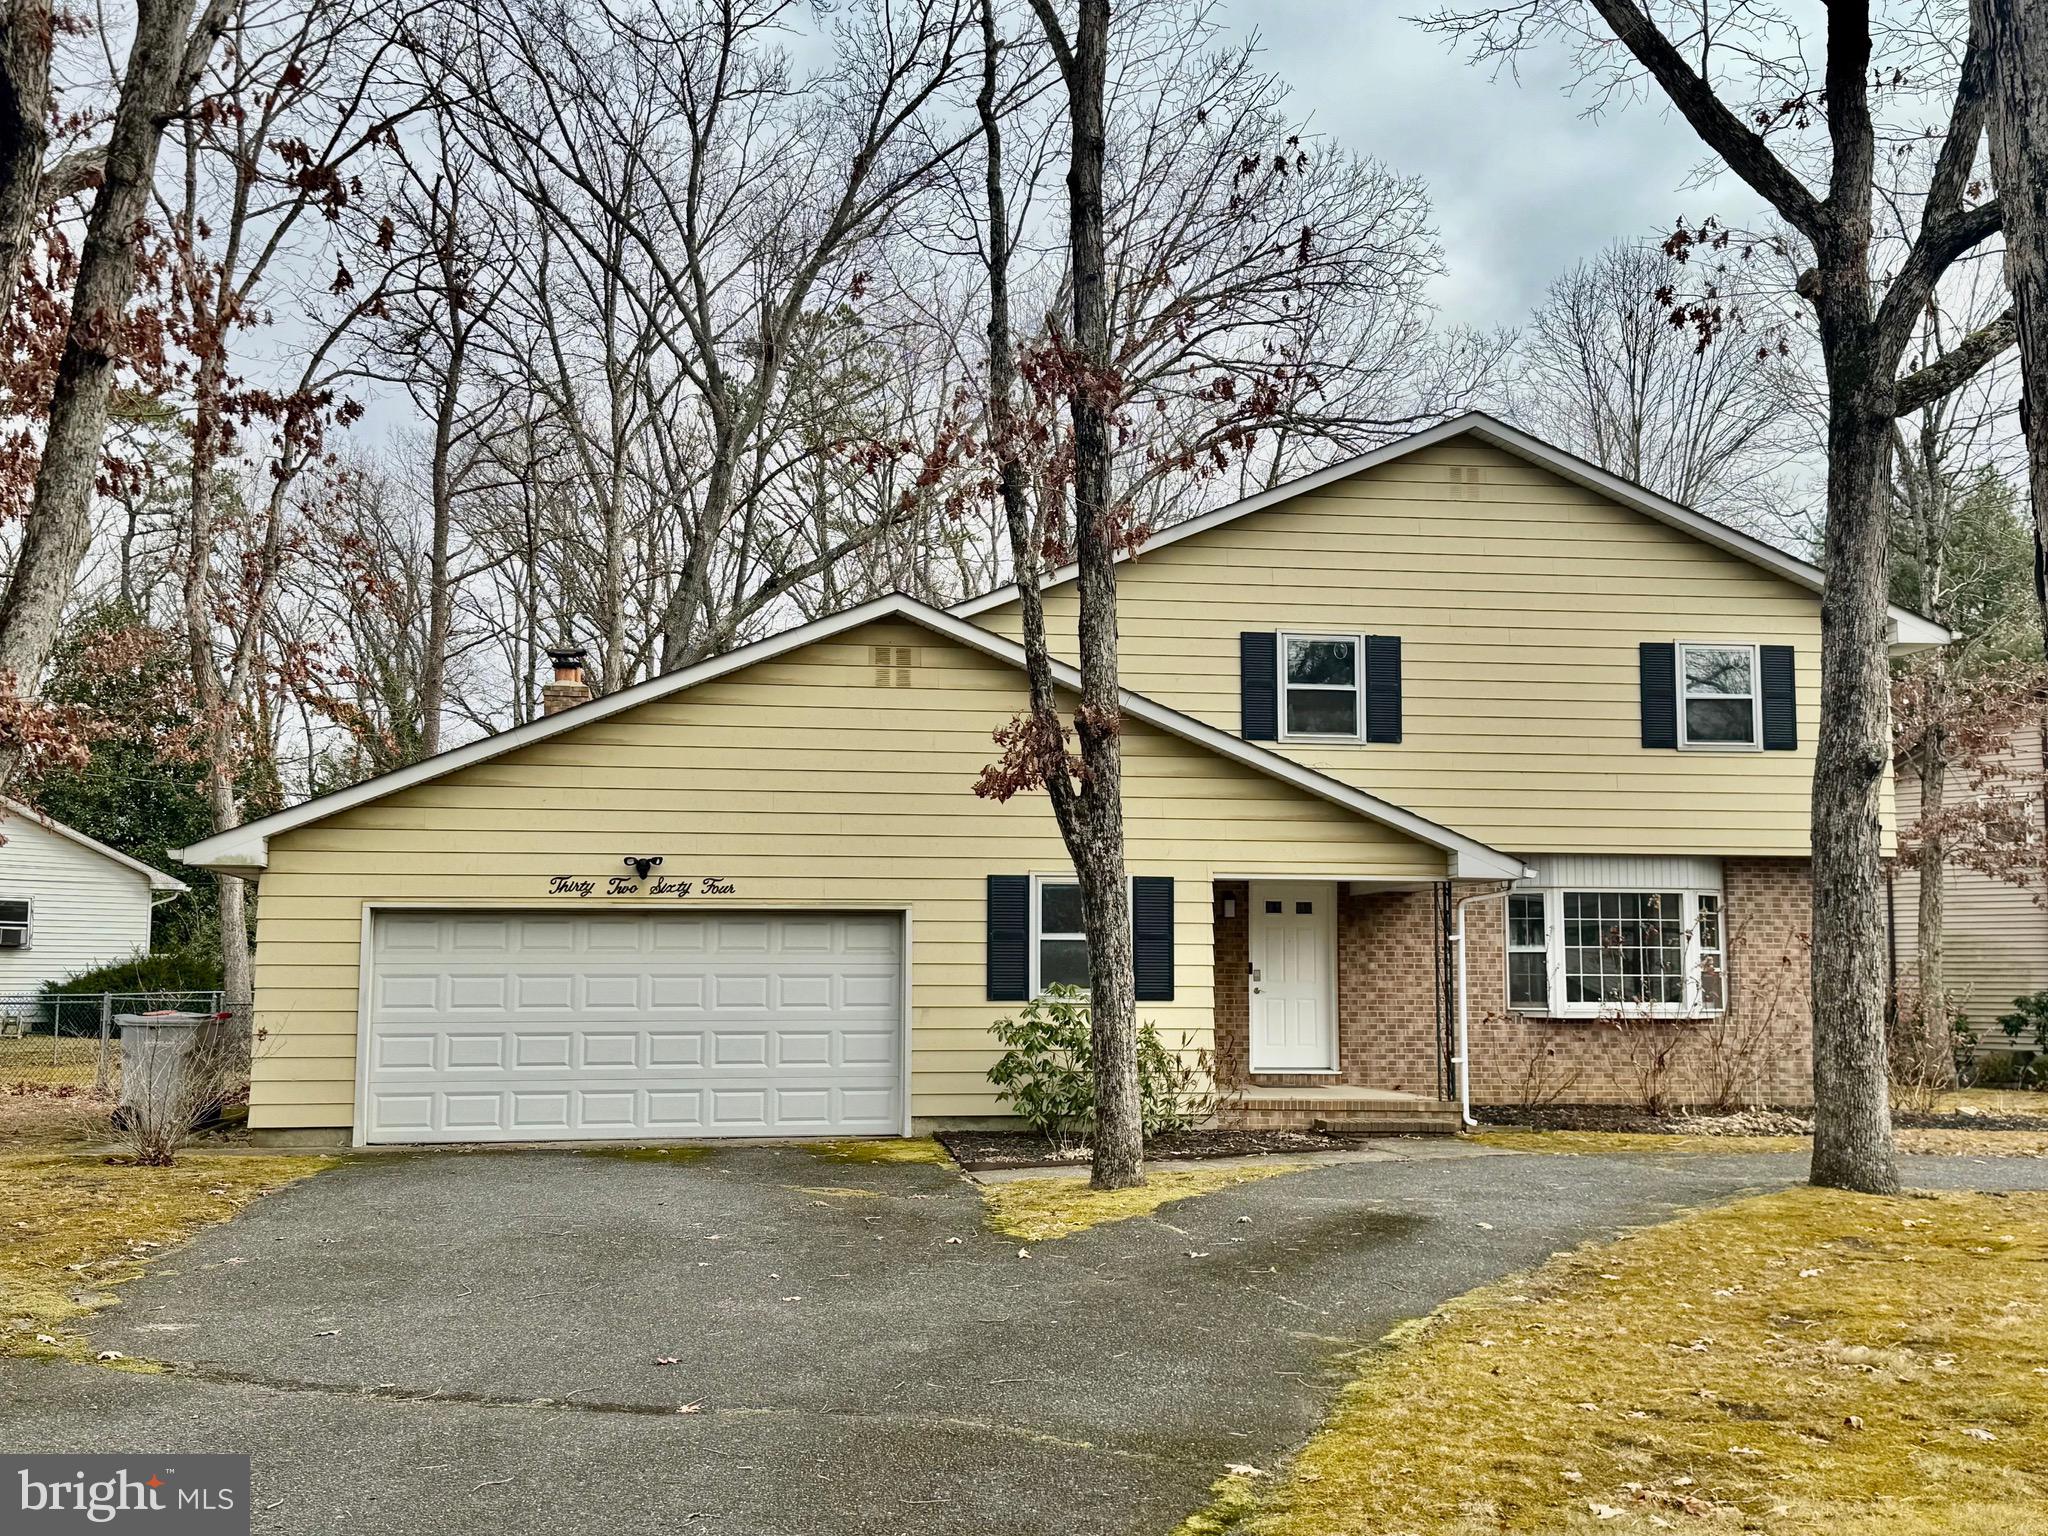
71, 174
1726, 134
1955, 367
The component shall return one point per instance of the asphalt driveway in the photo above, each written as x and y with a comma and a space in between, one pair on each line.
443, 1344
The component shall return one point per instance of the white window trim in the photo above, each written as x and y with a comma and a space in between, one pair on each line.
1357, 688
1756, 697
1695, 1005
1511, 949
28, 923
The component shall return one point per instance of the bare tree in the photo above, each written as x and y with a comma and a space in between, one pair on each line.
166, 57
1739, 77
1949, 504
1605, 373
746, 194
1085, 790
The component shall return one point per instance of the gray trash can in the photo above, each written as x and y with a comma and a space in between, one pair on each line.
155, 1049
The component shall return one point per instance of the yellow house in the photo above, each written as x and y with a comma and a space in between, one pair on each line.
1466, 707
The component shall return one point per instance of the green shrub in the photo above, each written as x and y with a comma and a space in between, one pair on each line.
2028, 1021
170, 970
1046, 1073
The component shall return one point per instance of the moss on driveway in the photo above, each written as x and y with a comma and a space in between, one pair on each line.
73, 1225
1039, 1210
1803, 1362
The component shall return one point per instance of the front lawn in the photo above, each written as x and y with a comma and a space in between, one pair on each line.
71, 1226
1926, 1142
1800, 1363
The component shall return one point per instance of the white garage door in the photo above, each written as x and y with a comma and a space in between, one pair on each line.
516, 1026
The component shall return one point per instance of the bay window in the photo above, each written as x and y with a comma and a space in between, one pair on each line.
1587, 954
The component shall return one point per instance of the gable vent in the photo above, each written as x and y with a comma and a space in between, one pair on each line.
893, 664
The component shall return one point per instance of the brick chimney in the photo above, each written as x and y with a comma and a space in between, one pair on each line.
567, 689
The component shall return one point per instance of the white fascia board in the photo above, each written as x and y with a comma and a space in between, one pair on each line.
246, 848
158, 880
1909, 631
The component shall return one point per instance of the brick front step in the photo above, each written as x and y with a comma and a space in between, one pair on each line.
1341, 1111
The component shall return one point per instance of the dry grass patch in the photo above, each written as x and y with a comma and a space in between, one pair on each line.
1039, 1210
1991, 1101
890, 1149
1943, 1143
72, 1226
1597, 1143
1807, 1363
1937, 1143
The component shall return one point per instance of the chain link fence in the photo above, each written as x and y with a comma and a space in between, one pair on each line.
71, 1045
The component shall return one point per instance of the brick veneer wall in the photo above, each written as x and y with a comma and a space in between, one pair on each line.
1758, 1051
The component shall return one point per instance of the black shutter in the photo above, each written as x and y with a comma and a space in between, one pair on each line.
1152, 937
1781, 699
1258, 685
1659, 667
1382, 687
1009, 938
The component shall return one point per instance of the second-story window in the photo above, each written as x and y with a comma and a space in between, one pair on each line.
1321, 684
1719, 706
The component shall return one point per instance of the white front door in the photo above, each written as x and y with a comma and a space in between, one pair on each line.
1294, 978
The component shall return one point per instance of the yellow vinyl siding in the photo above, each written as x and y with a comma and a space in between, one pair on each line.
1520, 599
1995, 934
803, 783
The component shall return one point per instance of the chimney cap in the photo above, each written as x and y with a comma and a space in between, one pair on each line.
567, 654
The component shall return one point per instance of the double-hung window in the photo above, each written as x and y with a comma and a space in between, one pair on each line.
1059, 944
1528, 955
1322, 686
1589, 954
15, 924
1719, 697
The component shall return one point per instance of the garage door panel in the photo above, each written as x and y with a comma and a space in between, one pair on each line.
676, 993
512, 1027
482, 1052
675, 1050
401, 994
396, 1053
608, 1050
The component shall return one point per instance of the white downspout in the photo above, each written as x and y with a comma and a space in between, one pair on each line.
1463, 1059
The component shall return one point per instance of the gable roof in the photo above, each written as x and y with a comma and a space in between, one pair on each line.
158, 880
247, 847
1908, 630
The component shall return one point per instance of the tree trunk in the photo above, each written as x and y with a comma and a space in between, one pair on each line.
1097, 844
1852, 1145
440, 588
2016, 34
25, 45
58, 527
686, 625
1934, 1049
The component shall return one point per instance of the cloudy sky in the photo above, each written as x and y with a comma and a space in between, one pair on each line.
1524, 184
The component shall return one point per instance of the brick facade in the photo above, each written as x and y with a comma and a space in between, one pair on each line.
1758, 1051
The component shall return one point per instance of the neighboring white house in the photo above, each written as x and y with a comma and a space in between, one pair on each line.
67, 902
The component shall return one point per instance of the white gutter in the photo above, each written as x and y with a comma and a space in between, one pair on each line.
1463, 1059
